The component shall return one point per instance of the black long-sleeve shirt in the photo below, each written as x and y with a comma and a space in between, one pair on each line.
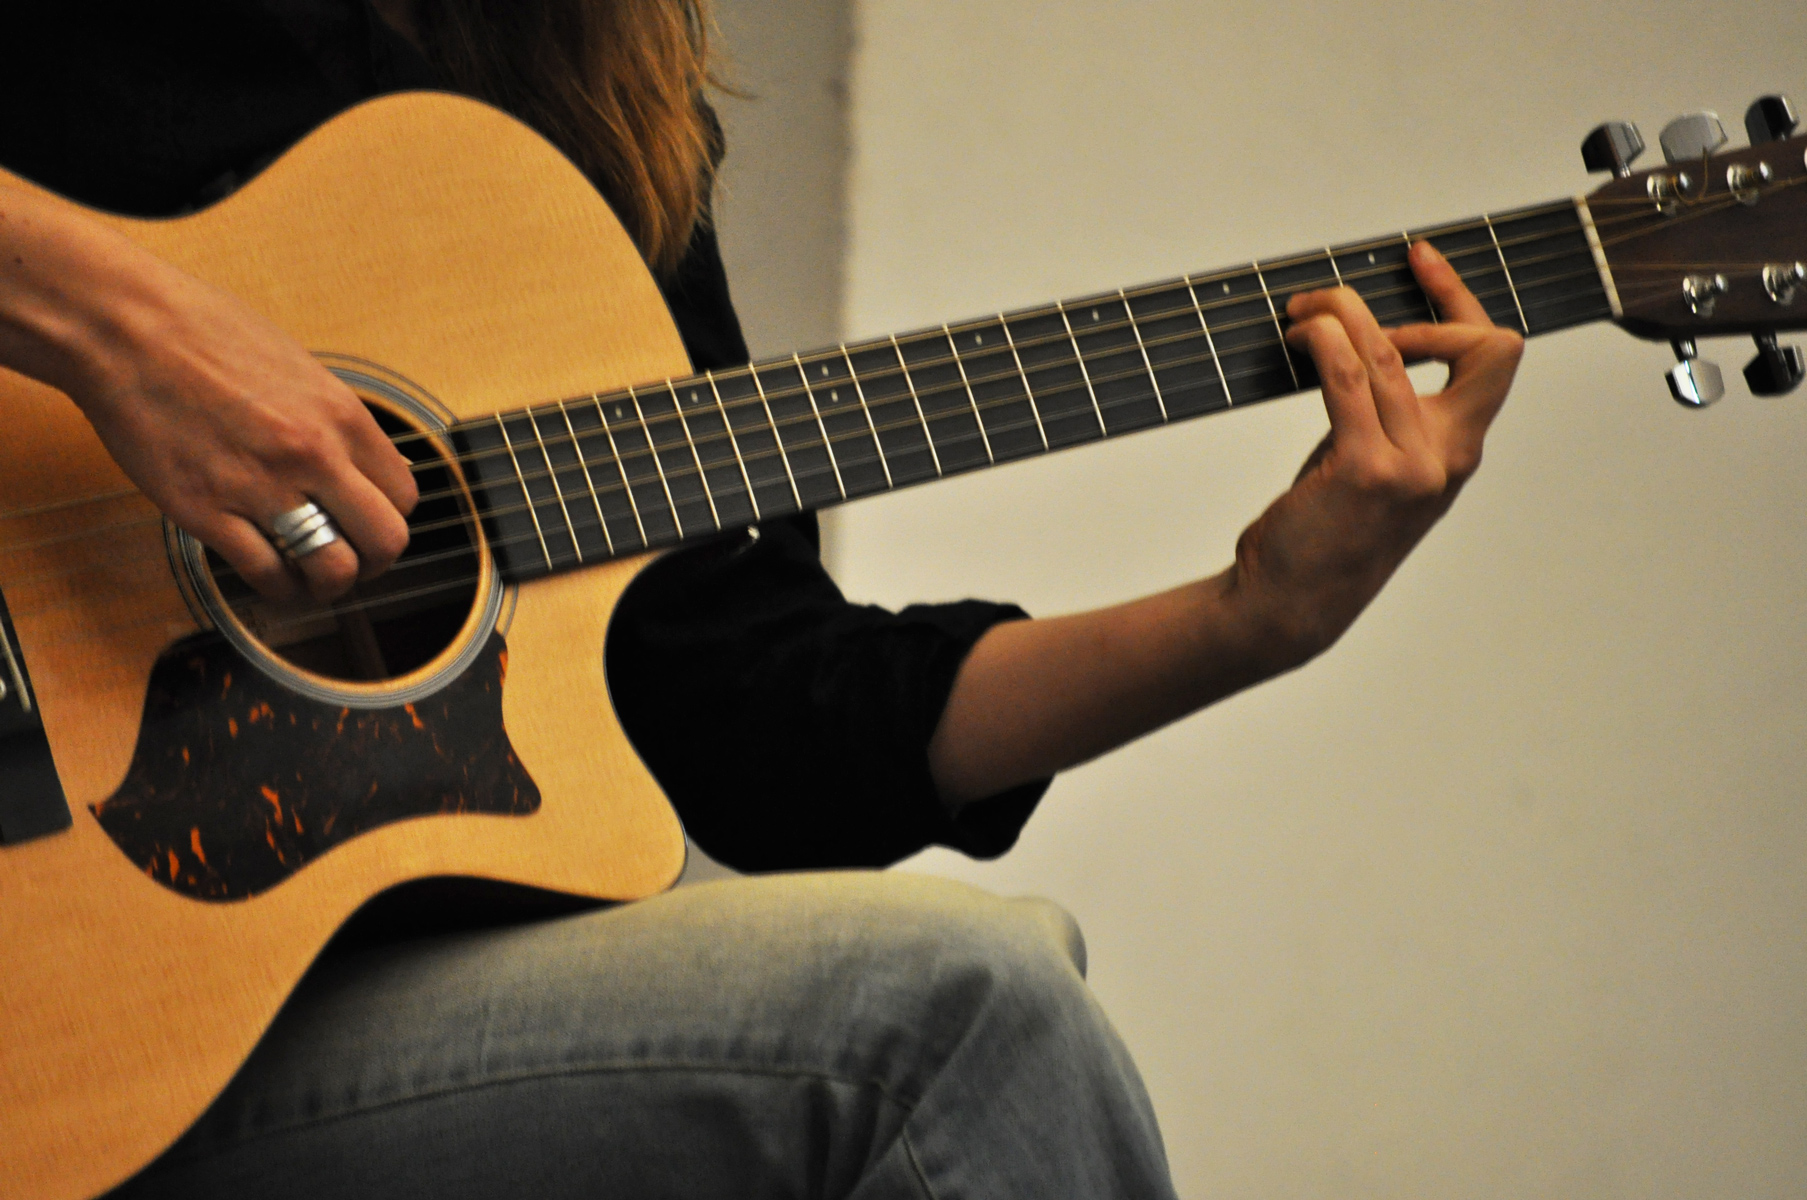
788, 726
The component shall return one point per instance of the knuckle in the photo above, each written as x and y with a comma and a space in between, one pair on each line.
1387, 357
1345, 374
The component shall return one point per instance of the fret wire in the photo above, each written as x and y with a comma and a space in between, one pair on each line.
1501, 251
1278, 331
734, 444
833, 461
557, 488
1210, 343
652, 452
1152, 378
1084, 372
978, 419
532, 508
777, 438
860, 394
702, 476
627, 485
927, 435
1035, 409
577, 448
1330, 254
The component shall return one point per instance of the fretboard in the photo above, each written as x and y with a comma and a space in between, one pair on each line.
579, 481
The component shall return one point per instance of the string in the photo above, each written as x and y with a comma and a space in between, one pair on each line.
652, 449
856, 437
463, 582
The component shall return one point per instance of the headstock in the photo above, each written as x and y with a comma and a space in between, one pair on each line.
1709, 244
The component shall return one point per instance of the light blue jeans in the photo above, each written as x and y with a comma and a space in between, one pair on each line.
837, 1035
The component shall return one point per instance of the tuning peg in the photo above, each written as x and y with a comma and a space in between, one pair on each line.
1769, 119
1613, 147
1694, 382
1692, 136
1777, 370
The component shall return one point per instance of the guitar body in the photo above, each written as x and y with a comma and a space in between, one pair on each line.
440, 246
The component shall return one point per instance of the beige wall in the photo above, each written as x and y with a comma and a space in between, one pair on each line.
1505, 897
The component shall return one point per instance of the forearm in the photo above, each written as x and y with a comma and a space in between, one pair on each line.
1036, 697
69, 287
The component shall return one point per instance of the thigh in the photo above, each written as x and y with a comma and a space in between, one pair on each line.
762, 1036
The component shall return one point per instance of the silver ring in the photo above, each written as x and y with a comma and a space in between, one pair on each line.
301, 531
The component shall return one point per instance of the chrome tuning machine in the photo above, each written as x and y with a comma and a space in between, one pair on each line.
1777, 370
1770, 119
1613, 147
1692, 137
1693, 381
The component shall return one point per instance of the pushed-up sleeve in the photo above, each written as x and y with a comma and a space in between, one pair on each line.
789, 727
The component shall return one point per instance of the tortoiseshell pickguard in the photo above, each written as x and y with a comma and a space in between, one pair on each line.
237, 782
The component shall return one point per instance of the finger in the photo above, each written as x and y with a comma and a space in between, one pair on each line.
1445, 287
327, 572
367, 518
1348, 398
247, 550
1395, 399
374, 454
1482, 361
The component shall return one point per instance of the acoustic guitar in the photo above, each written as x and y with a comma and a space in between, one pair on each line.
198, 788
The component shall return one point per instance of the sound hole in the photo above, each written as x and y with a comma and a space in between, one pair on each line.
391, 625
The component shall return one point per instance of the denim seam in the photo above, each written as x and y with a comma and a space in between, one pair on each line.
443, 1091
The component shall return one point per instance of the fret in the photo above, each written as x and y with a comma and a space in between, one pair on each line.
928, 438
756, 432
532, 504
657, 524
1470, 250
1381, 273
1142, 348
1211, 344
589, 482
1000, 394
652, 449
557, 487
734, 444
696, 458
1110, 350
859, 392
1553, 265
1330, 257
1084, 372
966, 385
1506, 270
1049, 359
715, 453
947, 407
1279, 332
794, 420
1255, 366
842, 417
626, 492
1177, 349
895, 420
1023, 376
833, 463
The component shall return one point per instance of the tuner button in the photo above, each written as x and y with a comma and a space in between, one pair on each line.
1692, 137
1777, 370
1694, 382
1769, 119
1613, 147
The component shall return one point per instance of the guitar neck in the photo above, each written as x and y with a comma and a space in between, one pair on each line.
580, 481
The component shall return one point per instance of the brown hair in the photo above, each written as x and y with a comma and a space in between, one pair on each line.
615, 84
